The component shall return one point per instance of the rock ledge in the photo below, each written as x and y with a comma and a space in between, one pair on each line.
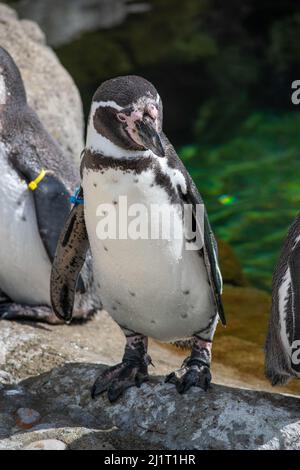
152, 417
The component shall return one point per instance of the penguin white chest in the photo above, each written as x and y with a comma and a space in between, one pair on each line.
24, 265
148, 283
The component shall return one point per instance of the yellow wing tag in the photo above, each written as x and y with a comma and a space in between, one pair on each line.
34, 184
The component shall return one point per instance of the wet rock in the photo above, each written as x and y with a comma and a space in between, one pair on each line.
27, 418
50, 89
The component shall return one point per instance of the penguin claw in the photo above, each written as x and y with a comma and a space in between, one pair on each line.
187, 377
116, 380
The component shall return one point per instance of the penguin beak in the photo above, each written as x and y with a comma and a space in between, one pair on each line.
150, 137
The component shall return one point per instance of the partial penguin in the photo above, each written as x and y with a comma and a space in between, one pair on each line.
282, 350
36, 182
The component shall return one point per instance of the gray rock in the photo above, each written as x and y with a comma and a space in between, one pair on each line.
152, 417
27, 418
5, 377
50, 89
46, 444
63, 20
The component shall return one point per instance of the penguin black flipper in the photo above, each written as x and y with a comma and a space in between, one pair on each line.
51, 199
69, 258
212, 266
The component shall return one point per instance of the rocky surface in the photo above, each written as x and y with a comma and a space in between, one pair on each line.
152, 417
46, 373
50, 89
83, 15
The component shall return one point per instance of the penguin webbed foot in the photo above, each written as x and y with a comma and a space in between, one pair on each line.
131, 372
40, 313
194, 372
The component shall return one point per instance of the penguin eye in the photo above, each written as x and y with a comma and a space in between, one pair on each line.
121, 117
147, 115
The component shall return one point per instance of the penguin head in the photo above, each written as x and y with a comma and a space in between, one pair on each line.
12, 90
126, 118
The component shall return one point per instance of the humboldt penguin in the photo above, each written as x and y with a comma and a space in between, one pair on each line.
159, 286
282, 349
36, 182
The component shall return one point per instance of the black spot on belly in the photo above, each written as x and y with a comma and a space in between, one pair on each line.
153, 322
24, 218
186, 292
105, 249
95, 185
136, 180
191, 240
98, 284
184, 315
114, 308
132, 294
115, 203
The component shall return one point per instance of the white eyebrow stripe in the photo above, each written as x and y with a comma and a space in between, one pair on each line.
106, 104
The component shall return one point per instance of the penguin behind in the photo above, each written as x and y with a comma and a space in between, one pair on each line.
36, 181
282, 349
168, 288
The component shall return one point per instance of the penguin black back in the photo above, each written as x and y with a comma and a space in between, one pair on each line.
35, 202
15, 94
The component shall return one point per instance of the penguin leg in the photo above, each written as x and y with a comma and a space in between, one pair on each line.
195, 370
131, 372
40, 313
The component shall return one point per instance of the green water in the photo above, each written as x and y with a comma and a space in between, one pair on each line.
260, 170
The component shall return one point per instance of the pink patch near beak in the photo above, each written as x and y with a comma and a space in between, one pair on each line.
152, 111
130, 124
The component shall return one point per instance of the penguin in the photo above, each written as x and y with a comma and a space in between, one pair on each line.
282, 347
36, 181
152, 286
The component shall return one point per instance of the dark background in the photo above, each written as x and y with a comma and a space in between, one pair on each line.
224, 71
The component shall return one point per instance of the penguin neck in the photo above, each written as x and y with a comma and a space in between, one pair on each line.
98, 144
